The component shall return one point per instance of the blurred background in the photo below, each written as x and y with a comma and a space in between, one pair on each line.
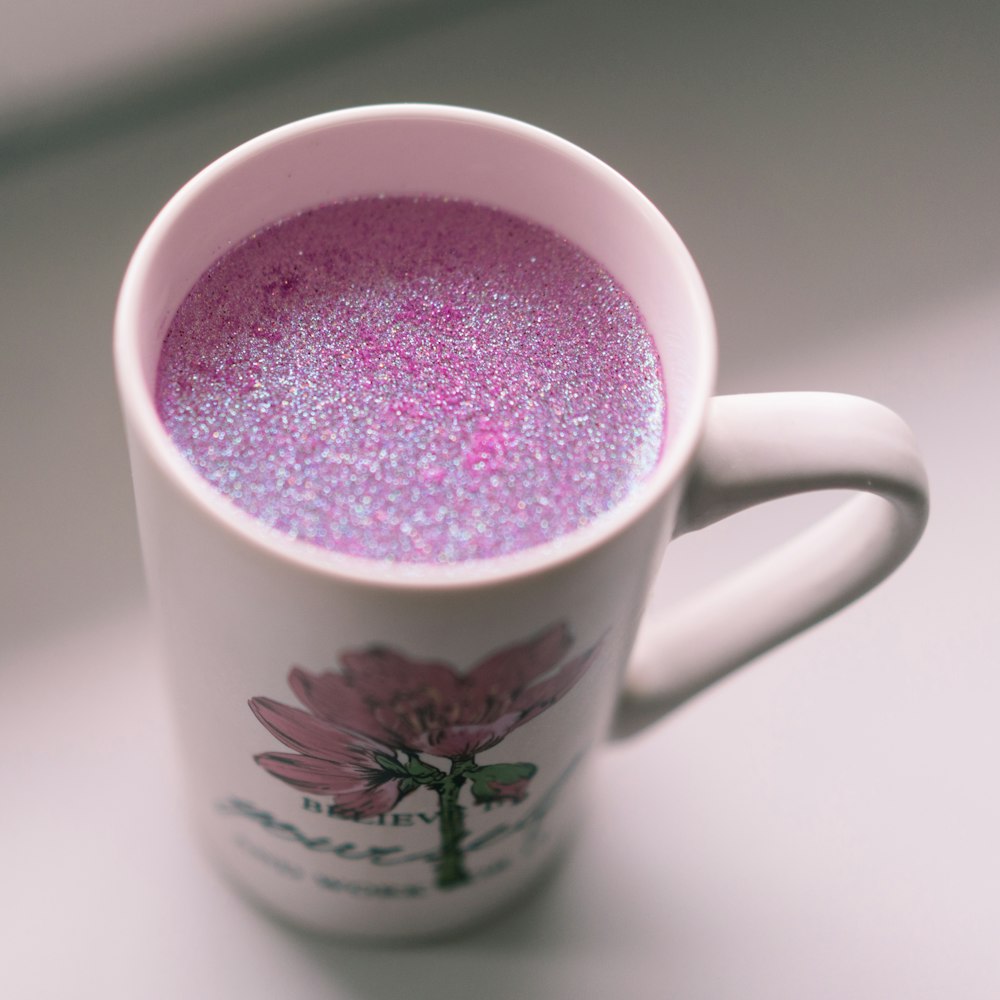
822, 825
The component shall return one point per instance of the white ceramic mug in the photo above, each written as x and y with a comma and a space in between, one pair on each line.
397, 750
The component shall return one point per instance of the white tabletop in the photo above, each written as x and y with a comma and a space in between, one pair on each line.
54, 53
822, 825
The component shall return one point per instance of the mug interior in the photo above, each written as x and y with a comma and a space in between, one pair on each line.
431, 151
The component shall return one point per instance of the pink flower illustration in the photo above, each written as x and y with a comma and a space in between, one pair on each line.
363, 731
426, 706
349, 767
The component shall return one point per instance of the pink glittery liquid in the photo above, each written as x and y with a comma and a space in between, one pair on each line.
413, 379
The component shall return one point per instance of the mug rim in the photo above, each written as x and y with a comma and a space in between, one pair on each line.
146, 429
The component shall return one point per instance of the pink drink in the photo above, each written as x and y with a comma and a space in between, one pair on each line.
413, 379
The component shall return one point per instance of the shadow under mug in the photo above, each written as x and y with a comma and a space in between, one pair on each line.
399, 750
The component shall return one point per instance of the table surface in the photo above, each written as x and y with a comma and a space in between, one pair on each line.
823, 824
43, 63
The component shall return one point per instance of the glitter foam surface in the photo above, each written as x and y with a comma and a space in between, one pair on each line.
413, 379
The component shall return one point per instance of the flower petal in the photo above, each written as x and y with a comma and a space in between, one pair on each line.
351, 791
366, 802
331, 697
465, 741
537, 698
510, 669
382, 675
307, 734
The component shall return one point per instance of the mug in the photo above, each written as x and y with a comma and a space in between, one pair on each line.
398, 750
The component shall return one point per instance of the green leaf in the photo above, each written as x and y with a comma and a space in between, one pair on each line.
421, 771
390, 764
502, 782
505, 774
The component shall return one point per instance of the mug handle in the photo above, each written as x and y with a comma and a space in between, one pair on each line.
763, 447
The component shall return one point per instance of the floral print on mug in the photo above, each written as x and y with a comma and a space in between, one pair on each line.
365, 732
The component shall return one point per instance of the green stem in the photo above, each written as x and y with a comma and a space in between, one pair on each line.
451, 865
